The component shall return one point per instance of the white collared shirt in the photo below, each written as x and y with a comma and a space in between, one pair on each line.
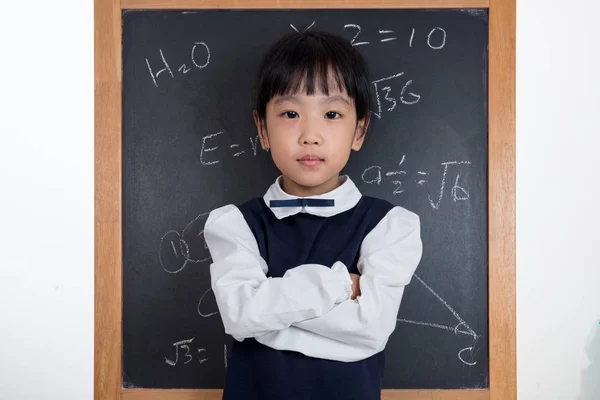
309, 310
345, 196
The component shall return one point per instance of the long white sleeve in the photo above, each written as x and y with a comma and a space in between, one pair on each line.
354, 330
251, 304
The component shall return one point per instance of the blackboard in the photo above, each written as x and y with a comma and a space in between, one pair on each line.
189, 146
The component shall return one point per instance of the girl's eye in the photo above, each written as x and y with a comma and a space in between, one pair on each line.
332, 115
290, 114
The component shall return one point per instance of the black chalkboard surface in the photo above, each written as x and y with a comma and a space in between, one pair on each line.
189, 146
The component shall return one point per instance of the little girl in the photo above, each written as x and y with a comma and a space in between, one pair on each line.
308, 279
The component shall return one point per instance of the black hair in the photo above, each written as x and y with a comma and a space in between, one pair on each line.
310, 58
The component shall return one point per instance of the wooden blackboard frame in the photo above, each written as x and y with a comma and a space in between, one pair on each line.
108, 193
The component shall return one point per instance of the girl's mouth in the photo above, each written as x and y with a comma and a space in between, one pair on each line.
310, 160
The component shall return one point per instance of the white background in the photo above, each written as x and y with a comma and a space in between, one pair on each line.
46, 198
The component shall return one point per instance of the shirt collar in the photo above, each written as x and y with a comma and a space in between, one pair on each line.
345, 197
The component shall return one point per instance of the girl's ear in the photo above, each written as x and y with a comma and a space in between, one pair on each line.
262, 130
360, 132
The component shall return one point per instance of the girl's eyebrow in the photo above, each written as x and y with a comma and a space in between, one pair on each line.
327, 100
336, 98
288, 97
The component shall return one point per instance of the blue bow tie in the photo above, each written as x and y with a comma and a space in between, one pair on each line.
302, 203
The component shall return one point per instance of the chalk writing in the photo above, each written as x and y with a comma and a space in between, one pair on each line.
212, 139
353, 41
455, 189
388, 34
184, 345
442, 40
305, 29
205, 150
436, 37
199, 58
185, 354
375, 174
405, 97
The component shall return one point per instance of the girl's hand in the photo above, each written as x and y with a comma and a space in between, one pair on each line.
355, 286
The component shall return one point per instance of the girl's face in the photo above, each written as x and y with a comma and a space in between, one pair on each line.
310, 138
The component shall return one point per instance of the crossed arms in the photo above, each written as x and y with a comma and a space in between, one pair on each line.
310, 309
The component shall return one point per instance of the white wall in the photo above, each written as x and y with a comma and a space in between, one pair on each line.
46, 193
47, 200
558, 198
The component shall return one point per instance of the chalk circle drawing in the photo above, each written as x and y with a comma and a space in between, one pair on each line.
178, 249
202, 304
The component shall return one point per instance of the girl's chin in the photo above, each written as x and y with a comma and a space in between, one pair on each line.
311, 183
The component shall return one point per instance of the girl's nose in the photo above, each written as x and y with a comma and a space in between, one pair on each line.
311, 141
311, 134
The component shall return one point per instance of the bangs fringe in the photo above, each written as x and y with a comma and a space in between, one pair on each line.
310, 77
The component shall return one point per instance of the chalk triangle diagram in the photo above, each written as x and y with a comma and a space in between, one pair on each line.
458, 326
